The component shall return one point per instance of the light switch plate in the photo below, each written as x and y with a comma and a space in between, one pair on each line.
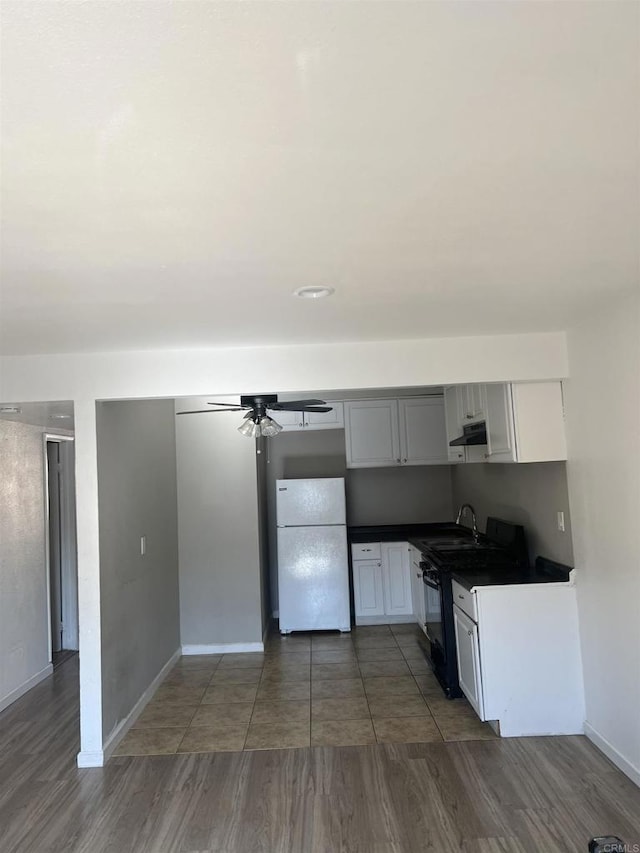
561, 522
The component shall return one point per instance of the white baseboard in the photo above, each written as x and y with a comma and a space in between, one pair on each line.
385, 620
222, 648
10, 698
90, 759
612, 754
99, 759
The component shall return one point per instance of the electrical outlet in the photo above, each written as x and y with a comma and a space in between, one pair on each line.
143, 545
561, 522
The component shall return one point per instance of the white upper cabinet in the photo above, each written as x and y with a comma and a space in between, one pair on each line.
382, 433
423, 437
525, 422
372, 433
291, 421
453, 411
473, 403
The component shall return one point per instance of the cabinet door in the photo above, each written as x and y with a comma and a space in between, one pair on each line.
468, 655
501, 446
476, 402
453, 405
372, 437
289, 421
368, 591
396, 579
423, 435
326, 420
417, 587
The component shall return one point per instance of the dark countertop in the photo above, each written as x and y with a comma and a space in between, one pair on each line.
545, 571
397, 532
499, 577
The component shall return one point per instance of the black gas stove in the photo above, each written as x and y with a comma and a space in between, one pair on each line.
502, 550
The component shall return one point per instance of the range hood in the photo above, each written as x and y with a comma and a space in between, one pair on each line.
471, 434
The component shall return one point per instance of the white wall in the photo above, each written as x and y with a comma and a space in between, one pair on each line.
603, 421
138, 594
530, 494
220, 556
24, 621
84, 378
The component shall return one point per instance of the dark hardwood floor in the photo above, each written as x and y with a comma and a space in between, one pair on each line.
538, 795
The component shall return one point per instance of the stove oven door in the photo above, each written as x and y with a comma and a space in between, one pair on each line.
433, 621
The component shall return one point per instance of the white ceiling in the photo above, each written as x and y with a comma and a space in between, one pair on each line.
173, 170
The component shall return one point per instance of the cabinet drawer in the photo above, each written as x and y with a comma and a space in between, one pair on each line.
465, 600
366, 551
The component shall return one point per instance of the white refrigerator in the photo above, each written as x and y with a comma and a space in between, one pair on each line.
313, 566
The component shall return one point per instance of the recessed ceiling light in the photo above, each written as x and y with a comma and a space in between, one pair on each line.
313, 292
10, 410
59, 417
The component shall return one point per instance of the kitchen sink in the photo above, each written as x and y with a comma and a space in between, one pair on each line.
463, 547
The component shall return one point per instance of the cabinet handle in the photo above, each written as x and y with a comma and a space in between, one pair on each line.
300, 424
404, 460
468, 417
470, 633
366, 549
379, 564
418, 574
461, 596
487, 455
397, 460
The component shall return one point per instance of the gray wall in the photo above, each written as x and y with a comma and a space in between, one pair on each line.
24, 646
219, 531
374, 495
140, 614
415, 493
263, 531
529, 494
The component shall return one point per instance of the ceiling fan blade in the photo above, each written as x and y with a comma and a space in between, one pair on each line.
208, 411
295, 405
230, 405
317, 409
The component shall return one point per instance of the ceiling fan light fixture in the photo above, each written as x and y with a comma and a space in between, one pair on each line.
312, 292
248, 428
269, 427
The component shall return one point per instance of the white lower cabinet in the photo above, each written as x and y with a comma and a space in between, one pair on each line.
367, 588
382, 587
396, 579
468, 656
526, 681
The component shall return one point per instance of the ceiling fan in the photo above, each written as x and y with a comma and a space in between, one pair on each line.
256, 420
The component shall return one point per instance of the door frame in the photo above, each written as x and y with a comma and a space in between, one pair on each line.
68, 550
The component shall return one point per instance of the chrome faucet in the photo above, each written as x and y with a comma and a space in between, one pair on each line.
473, 519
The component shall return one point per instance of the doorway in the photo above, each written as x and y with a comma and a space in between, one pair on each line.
62, 576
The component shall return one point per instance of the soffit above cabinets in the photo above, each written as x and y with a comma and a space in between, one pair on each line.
57, 416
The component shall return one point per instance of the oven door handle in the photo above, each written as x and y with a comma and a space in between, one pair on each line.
430, 583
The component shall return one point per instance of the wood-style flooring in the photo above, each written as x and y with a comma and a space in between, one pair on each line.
323, 689
529, 795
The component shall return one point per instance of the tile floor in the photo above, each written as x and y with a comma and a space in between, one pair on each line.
325, 689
